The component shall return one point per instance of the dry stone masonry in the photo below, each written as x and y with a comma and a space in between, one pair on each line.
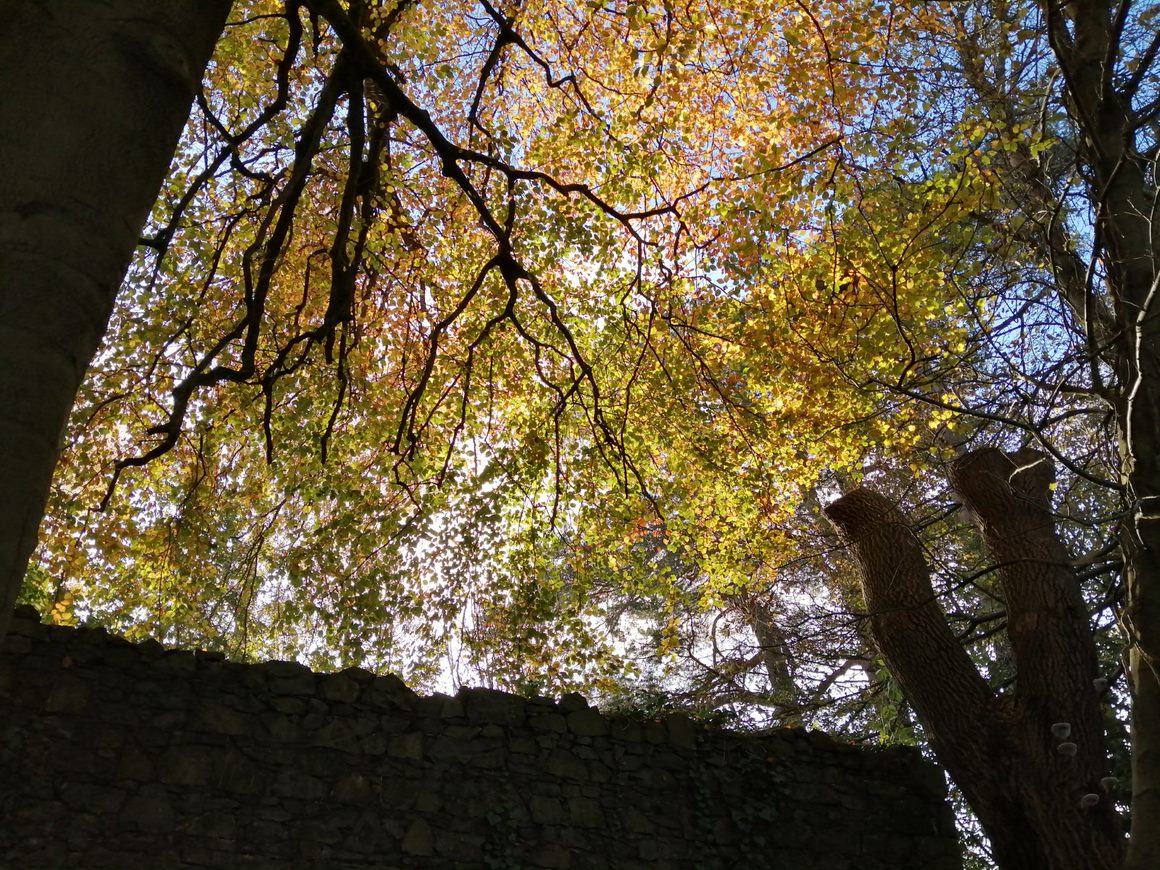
115, 755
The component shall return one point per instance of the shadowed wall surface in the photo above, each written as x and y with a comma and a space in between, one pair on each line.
120, 755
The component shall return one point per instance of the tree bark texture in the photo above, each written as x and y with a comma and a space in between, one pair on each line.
1000, 749
1088, 40
776, 659
1009, 495
93, 98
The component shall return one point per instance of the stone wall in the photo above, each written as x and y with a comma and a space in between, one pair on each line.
114, 755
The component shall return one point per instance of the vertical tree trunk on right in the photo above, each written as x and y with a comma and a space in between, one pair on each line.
1113, 107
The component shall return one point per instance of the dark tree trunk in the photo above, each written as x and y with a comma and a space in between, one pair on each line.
775, 658
999, 749
93, 97
1089, 39
1047, 623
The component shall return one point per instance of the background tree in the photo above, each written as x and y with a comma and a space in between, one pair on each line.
1074, 134
1033, 760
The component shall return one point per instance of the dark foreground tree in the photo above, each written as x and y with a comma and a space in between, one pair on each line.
1114, 104
93, 98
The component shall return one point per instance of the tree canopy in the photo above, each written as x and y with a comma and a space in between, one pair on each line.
611, 275
525, 343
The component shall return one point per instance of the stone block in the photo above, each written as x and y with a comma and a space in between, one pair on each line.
551, 857
133, 764
70, 694
335, 733
564, 764
390, 693
339, 687
419, 840
25, 613
293, 684
150, 810
216, 717
546, 810
627, 730
17, 645
491, 758
682, 731
488, 705
373, 744
289, 706
358, 675
636, 821
282, 729
176, 662
243, 777
587, 723
194, 764
354, 788
92, 798
585, 812
285, 669
428, 801
444, 748
292, 783
572, 702
150, 650
553, 723
406, 746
